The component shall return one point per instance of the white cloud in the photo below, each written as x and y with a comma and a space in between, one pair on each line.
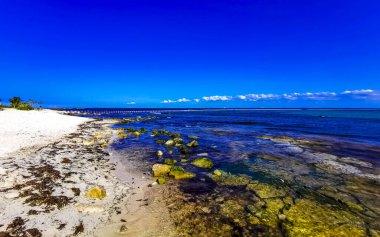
217, 98
318, 96
183, 100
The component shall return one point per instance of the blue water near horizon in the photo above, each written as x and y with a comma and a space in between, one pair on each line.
353, 132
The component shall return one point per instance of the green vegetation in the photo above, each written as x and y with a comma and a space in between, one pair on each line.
18, 103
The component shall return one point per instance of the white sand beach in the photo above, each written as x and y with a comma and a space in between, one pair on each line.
20, 129
49, 163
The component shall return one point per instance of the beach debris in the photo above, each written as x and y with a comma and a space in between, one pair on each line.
96, 192
160, 170
161, 180
78, 229
123, 229
193, 143
203, 163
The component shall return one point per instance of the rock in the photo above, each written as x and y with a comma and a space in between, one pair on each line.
89, 142
137, 134
193, 137
160, 170
217, 172
159, 141
122, 135
170, 161
265, 190
183, 150
169, 143
96, 192
123, 229
161, 180
179, 173
178, 140
281, 217
203, 163
308, 217
183, 160
159, 153
193, 143
202, 154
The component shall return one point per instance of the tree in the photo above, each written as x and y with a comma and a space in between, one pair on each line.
15, 102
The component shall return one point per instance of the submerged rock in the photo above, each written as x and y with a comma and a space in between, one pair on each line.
170, 161
193, 137
161, 180
159, 153
178, 140
265, 190
193, 143
169, 143
179, 173
160, 170
137, 134
203, 163
309, 218
96, 192
159, 141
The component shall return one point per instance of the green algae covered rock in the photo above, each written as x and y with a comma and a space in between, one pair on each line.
136, 134
160, 170
169, 143
309, 218
159, 141
178, 140
96, 192
183, 160
224, 178
161, 180
193, 143
203, 163
193, 137
183, 150
264, 190
170, 161
179, 173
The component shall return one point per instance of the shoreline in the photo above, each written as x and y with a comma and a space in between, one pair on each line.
44, 188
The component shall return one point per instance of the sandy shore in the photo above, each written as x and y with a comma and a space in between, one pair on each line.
20, 129
48, 163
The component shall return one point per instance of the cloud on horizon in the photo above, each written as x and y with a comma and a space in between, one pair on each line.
365, 94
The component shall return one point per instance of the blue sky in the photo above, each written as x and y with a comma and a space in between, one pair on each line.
257, 53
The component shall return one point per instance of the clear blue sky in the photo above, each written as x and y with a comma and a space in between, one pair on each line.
120, 53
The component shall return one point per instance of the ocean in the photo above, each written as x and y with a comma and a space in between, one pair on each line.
289, 172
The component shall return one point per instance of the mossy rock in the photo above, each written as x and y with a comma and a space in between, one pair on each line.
183, 150
170, 143
137, 134
265, 190
183, 160
224, 178
218, 172
155, 132
170, 161
161, 180
179, 173
203, 163
178, 140
96, 192
143, 130
159, 141
310, 218
160, 170
131, 130
193, 137
193, 143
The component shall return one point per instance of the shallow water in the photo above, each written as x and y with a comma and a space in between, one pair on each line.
282, 172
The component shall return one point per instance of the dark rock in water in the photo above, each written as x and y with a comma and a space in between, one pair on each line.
194, 187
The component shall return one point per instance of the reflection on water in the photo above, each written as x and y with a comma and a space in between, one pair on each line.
275, 173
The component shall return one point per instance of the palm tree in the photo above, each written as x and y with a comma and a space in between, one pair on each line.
15, 102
